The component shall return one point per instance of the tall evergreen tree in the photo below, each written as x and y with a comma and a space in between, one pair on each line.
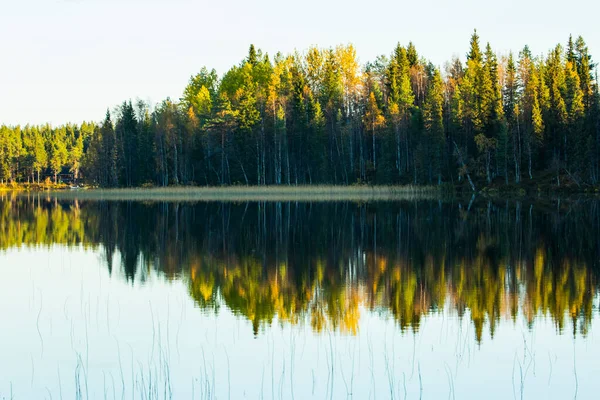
434, 126
108, 154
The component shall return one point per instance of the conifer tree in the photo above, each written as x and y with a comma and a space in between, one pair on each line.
75, 154
434, 126
576, 140
556, 118
373, 121
40, 156
510, 95
58, 151
127, 136
108, 154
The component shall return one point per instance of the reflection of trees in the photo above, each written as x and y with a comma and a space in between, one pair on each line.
320, 264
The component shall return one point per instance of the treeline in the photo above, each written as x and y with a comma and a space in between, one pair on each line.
320, 117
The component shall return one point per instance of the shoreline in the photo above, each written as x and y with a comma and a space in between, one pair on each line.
304, 193
245, 193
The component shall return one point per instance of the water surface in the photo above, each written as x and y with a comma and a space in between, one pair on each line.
294, 300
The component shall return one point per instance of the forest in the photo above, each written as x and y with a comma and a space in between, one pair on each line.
322, 117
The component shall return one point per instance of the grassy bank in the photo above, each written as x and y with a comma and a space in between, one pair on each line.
253, 193
544, 184
32, 187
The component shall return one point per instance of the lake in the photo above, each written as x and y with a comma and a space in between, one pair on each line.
294, 300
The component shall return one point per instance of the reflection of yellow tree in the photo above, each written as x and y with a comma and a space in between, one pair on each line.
559, 291
327, 303
202, 287
485, 282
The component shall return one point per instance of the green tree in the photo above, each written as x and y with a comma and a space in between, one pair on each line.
434, 125
556, 117
108, 154
373, 121
511, 113
75, 154
58, 151
126, 132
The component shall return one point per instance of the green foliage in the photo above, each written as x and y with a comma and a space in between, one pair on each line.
321, 117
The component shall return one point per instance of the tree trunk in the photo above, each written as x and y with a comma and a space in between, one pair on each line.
374, 153
529, 152
222, 157
175, 164
461, 161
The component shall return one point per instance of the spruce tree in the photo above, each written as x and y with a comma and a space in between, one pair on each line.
434, 126
108, 156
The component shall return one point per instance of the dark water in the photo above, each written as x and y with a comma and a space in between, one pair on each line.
299, 300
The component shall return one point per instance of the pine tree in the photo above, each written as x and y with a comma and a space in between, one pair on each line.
373, 120
40, 156
223, 124
434, 125
496, 125
474, 50
577, 140
411, 55
252, 56
58, 151
475, 90
571, 50
510, 95
401, 102
556, 118
126, 132
108, 154
75, 154
590, 124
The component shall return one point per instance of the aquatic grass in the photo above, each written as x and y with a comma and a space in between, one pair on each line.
257, 193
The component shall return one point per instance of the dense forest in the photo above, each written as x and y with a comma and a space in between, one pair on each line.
320, 117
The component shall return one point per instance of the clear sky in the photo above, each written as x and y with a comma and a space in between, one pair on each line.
68, 60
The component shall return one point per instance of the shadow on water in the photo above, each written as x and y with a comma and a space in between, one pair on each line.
321, 263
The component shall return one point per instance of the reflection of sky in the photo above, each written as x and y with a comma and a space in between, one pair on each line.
60, 304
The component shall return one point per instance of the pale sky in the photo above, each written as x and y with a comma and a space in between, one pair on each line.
68, 60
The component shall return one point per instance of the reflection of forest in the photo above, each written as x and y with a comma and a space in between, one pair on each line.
321, 263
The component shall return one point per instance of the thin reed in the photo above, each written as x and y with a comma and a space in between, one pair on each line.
256, 193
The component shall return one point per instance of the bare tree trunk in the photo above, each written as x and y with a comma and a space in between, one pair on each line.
264, 158
287, 158
374, 152
351, 145
397, 129
461, 161
175, 164
244, 171
228, 170
529, 152
362, 159
517, 152
487, 163
222, 157
506, 160
257, 162
261, 160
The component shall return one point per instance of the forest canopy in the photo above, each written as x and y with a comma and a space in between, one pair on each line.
320, 117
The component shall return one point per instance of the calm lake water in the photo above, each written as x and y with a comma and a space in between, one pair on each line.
495, 300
